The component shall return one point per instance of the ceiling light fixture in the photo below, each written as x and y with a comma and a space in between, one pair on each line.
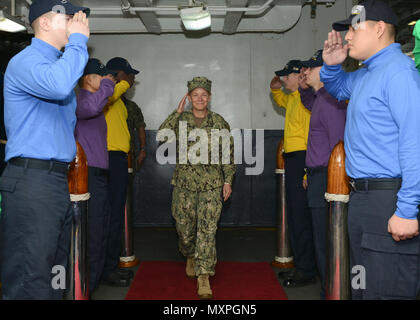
10, 24
196, 17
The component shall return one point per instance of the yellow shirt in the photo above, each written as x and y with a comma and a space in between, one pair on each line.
116, 119
296, 125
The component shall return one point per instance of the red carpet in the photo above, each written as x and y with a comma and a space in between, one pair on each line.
166, 280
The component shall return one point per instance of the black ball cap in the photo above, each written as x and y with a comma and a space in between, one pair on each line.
315, 61
375, 10
293, 66
121, 64
40, 7
95, 66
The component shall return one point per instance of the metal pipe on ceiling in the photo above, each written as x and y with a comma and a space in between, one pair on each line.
13, 8
175, 9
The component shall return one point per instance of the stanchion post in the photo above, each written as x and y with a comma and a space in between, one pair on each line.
338, 190
78, 280
128, 258
284, 257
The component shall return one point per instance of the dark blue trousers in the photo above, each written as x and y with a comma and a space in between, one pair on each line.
117, 192
298, 215
2, 155
36, 229
317, 186
98, 221
392, 269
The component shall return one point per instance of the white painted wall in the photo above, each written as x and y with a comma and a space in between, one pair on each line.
241, 66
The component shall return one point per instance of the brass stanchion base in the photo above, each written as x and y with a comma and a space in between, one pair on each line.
288, 265
283, 263
129, 264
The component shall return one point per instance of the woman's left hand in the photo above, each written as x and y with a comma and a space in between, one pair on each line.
140, 158
227, 191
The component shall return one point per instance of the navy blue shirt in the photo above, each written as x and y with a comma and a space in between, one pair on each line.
382, 134
39, 100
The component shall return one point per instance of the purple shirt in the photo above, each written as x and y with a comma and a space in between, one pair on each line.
326, 128
91, 129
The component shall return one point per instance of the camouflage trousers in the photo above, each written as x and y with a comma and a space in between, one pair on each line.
196, 215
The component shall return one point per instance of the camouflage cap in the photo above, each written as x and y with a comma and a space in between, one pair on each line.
199, 82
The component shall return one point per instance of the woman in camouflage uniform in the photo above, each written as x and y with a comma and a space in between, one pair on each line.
199, 186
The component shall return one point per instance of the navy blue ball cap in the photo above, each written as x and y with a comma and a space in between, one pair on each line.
40, 7
315, 61
293, 66
95, 66
375, 10
121, 64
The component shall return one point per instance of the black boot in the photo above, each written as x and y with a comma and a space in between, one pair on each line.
115, 280
125, 273
298, 279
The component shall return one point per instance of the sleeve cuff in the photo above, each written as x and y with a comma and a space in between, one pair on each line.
125, 84
108, 81
229, 180
333, 67
304, 91
406, 211
78, 38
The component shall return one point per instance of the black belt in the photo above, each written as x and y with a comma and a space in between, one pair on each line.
121, 153
375, 184
292, 154
50, 165
98, 171
312, 171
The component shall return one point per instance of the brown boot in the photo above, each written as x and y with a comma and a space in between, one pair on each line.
203, 287
190, 268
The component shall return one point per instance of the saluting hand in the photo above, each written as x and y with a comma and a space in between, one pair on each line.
127, 77
334, 51
181, 104
110, 77
276, 83
78, 24
302, 81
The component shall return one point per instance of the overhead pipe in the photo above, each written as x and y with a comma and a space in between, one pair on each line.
174, 10
13, 8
